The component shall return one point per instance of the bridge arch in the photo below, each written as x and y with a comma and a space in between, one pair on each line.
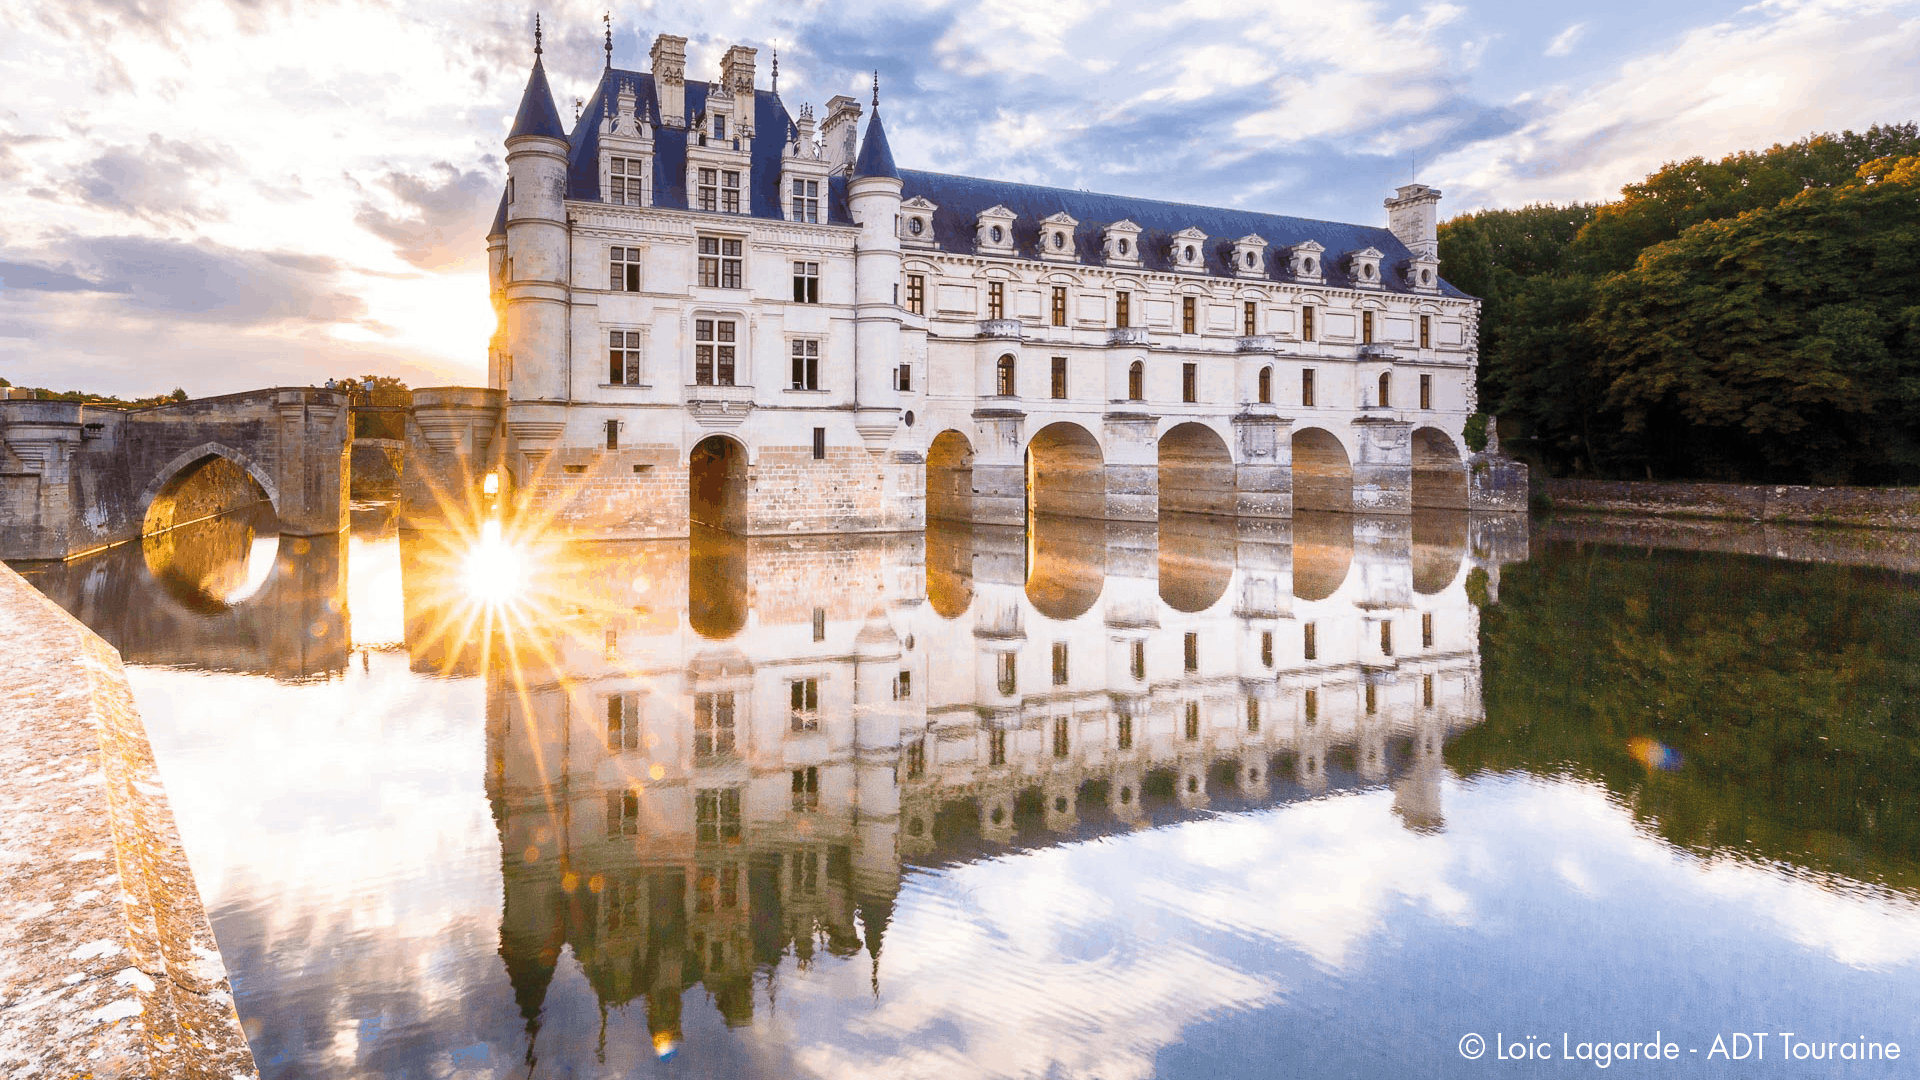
1322, 471
950, 477
1066, 472
1196, 471
1439, 472
211, 478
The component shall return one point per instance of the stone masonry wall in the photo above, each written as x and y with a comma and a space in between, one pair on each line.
110, 967
1877, 508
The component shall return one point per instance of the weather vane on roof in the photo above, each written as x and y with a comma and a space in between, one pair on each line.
536, 33
608, 19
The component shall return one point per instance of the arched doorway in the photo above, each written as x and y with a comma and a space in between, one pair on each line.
1439, 475
717, 484
1196, 471
1066, 474
950, 478
1322, 472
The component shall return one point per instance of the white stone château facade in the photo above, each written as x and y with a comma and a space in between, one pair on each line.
714, 310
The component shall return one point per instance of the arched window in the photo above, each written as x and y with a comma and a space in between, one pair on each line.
1386, 389
1003, 376
1137, 381
1266, 386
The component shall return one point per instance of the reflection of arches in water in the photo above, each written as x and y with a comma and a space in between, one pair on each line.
1439, 547
1066, 474
1322, 554
1439, 476
214, 563
1066, 566
949, 478
717, 484
949, 569
716, 583
1322, 472
1196, 561
1196, 471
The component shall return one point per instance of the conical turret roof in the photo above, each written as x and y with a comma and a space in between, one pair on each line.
537, 115
876, 157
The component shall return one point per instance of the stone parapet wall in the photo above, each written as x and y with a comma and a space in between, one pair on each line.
110, 967
1873, 508
1892, 549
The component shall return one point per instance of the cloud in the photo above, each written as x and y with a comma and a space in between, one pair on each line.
28, 277
1563, 42
213, 283
164, 181
443, 216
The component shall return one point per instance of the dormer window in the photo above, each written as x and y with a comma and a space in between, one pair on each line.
916, 222
993, 231
1250, 256
623, 187
996, 234
1056, 237
1187, 250
720, 126
1363, 267
1423, 275
806, 200
1304, 262
916, 226
1120, 244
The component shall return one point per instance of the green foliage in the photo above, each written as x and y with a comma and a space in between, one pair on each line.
179, 394
1745, 319
1790, 705
1474, 431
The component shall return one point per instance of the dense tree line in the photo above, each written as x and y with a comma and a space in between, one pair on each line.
1755, 318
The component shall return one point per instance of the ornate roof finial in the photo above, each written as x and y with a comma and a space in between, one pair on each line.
608, 19
536, 33
876, 88
776, 71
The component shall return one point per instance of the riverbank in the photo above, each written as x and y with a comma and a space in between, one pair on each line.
110, 967
1851, 507
1888, 549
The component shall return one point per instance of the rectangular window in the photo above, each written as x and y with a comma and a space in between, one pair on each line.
1250, 318
819, 624
1310, 647
905, 383
1193, 721
1189, 382
613, 434
917, 293
1060, 746
916, 759
903, 686
806, 364
623, 357
1306, 387
709, 189
1059, 377
719, 262
623, 813
1003, 376
1386, 637
1123, 308
1373, 700
1136, 381
1426, 331
720, 126
1266, 648
806, 282
1137, 663
1313, 705
623, 188
819, 444
806, 789
1006, 673
713, 352
1059, 663
996, 299
1059, 305
713, 724
1306, 324
623, 269
716, 815
1193, 651
997, 747
1426, 630
1426, 391
1253, 716
1123, 732
806, 200
803, 713
730, 192
623, 722
1366, 327
1426, 691
1189, 314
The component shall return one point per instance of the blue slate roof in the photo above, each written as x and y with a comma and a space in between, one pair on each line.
537, 116
499, 226
772, 127
961, 198
876, 157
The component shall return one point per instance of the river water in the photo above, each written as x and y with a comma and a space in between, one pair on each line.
1106, 801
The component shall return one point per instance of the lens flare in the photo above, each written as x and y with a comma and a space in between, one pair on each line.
1653, 754
495, 572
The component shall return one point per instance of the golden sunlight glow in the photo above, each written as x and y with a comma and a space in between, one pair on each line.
495, 572
490, 485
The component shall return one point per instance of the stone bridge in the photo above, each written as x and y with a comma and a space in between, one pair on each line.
76, 478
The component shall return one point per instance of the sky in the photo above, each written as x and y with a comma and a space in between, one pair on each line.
220, 195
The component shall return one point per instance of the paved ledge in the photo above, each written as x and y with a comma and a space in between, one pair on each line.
108, 967
1864, 508
1890, 549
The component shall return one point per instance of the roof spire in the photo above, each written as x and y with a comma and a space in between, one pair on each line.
876, 88
608, 19
776, 72
536, 33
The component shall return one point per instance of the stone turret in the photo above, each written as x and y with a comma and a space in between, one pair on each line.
873, 197
535, 267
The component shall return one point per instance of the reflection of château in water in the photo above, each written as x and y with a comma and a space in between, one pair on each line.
729, 750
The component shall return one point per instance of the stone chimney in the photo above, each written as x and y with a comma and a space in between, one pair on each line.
1413, 215
670, 79
841, 132
736, 70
